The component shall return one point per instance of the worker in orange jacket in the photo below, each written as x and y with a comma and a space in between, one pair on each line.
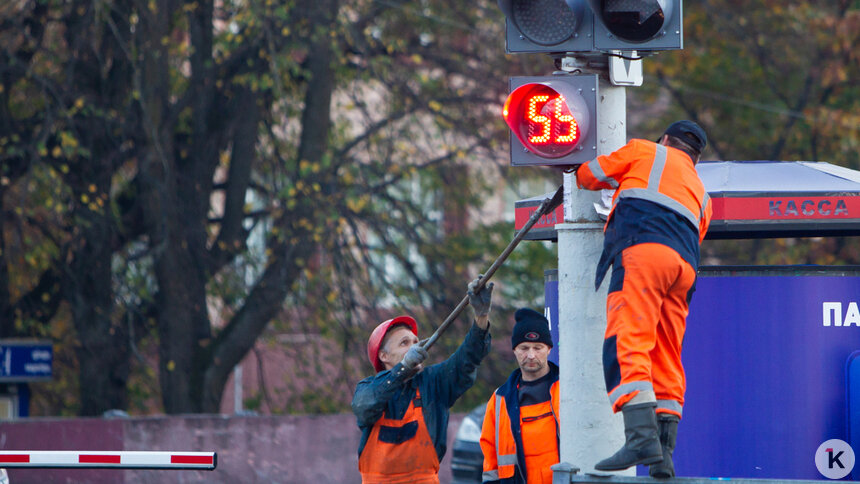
659, 217
402, 410
519, 438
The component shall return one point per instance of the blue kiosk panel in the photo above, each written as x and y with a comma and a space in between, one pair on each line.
772, 359
853, 370
765, 358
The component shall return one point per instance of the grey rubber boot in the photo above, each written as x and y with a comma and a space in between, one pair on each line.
642, 445
668, 425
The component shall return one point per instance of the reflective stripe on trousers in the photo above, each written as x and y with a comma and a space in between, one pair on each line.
646, 320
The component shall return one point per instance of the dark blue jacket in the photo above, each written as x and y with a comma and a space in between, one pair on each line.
390, 391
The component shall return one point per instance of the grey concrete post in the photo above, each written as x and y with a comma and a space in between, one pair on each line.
563, 472
589, 430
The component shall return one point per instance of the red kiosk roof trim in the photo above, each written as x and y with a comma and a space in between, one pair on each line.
758, 199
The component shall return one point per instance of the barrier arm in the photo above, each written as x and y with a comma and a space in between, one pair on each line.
74, 459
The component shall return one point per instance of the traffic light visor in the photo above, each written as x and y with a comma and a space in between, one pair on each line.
550, 118
635, 20
544, 22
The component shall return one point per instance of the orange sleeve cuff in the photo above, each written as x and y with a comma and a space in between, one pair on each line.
586, 179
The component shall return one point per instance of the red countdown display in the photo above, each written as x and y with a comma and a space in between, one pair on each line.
550, 118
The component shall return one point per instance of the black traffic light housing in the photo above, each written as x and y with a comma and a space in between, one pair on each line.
640, 25
561, 110
551, 26
562, 26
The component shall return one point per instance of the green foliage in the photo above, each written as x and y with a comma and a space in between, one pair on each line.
768, 81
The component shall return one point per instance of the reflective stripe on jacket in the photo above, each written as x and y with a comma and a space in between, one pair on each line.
501, 434
650, 171
660, 195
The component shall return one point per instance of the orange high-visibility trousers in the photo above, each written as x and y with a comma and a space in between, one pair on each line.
646, 314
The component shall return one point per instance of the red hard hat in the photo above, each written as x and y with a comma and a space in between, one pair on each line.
378, 335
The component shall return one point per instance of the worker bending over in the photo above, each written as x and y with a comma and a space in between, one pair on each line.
659, 217
519, 438
402, 411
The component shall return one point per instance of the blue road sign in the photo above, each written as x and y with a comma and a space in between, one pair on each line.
25, 360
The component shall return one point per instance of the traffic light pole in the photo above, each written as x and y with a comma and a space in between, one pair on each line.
589, 430
543, 118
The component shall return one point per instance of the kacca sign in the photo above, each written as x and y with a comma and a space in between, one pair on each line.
754, 199
764, 208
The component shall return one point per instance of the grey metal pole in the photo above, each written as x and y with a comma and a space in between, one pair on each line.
237, 389
589, 430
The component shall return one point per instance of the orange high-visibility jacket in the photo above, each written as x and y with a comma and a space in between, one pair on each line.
507, 459
661, 195
648, 171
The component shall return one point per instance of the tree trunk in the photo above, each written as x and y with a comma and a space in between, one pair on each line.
265, 300
103, 349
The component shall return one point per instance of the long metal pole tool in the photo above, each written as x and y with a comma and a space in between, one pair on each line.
546, 206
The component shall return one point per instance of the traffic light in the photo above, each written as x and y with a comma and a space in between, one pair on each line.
547, 26
640, 25
552, 119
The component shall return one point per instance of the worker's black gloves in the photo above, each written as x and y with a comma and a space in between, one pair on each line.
413, 358
481, 301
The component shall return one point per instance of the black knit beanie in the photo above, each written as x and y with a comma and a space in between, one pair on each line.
531, 326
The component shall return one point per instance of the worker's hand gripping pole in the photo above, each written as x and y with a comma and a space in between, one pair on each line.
547, 206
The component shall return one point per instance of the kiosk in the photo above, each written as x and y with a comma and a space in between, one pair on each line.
771, 353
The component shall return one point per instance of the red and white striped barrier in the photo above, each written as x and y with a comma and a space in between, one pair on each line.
79, 459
